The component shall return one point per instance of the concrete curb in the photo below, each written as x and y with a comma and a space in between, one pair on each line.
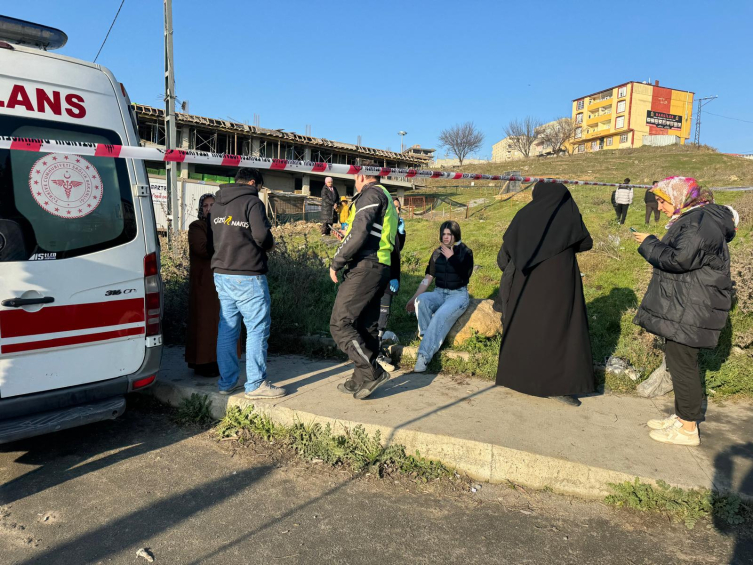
480, 461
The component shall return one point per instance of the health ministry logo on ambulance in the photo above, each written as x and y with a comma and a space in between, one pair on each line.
67, 186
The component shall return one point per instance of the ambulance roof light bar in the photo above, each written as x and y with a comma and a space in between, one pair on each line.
22, 32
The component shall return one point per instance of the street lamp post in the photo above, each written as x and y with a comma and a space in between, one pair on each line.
402, 134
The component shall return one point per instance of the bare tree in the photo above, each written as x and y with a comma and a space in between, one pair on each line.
461, 140
558, 133
522, 134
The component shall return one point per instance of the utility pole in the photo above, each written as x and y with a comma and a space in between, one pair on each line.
173, 210
701, 103
402, 135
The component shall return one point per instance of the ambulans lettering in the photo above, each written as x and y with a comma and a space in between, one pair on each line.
51, 102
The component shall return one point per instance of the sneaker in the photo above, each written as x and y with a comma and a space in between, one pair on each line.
266, 390
370, 386
676, 435
661, 424
420, 365
232, 390
385, 363
348, 387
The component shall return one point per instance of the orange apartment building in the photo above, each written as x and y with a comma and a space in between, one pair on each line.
620, 117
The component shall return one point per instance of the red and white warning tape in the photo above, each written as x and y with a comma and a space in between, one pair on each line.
200, 157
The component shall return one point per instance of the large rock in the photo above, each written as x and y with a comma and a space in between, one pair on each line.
481, 317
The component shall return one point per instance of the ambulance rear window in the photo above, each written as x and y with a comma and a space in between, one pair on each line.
55, 206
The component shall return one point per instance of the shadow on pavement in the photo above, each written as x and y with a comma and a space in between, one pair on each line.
70, 454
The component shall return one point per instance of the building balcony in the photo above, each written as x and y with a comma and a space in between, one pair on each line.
599, 103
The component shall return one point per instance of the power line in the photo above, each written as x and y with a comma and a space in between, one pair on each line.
109, 30
728, 118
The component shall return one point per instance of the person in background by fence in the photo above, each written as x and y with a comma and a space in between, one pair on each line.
546, 348
366, 250
393, 288
450, 268
623, 198
689, 297
652, 206
330, 202
242, 237
203, 304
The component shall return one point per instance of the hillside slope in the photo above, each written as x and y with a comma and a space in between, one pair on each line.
641, 165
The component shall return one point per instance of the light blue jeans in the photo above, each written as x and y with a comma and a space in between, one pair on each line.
243, 297
437, 312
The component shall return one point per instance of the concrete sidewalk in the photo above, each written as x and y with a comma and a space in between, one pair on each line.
494, 434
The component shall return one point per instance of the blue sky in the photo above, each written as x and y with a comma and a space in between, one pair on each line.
375, 68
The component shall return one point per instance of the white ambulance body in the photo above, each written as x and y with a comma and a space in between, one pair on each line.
80, 320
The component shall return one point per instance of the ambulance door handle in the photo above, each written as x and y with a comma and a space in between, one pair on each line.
19, 302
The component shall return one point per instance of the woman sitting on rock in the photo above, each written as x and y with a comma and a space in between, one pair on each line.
545, 348
450, 268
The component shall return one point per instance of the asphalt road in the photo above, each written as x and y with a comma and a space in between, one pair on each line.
99, 494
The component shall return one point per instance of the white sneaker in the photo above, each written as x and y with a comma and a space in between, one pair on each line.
385, 363
266, 390
420, 365
676, 435
661, 424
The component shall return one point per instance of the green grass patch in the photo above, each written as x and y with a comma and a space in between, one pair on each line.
354, 448
196, 409
689, 506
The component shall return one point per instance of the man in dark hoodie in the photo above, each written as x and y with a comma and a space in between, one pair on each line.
241, 237
366, 251
689, 297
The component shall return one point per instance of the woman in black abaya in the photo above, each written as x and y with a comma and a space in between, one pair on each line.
545, 348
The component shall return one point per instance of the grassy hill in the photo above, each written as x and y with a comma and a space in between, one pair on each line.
641, 165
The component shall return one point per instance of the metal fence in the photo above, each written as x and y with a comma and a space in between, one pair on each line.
283, 208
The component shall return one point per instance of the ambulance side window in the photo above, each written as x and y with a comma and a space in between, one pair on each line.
55, 206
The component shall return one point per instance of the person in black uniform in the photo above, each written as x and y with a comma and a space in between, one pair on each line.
366, 250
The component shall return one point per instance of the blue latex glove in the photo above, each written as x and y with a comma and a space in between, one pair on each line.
400, 226
344, 226
394, 285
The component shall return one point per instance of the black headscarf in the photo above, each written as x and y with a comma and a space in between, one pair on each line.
201, 203
545, 227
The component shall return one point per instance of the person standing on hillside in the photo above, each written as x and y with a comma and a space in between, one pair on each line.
652, 206
242, 236
366, 251
689, 297
546, 348
330, 202
623, 198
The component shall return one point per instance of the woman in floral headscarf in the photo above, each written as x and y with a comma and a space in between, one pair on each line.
203, 304
689, 297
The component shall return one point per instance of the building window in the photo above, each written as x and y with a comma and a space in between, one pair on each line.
609, 140
580, 104
619, 123
581, 148
579, 118
578, 132
624, 138
622, 92
594, 146
621, 106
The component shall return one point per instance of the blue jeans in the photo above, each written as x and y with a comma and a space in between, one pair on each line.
437, 312
244, 297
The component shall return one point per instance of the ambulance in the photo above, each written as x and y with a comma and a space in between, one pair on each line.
80, 287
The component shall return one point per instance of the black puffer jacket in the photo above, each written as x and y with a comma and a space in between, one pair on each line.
690, 294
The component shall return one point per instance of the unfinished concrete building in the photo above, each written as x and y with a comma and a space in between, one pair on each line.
221, 136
